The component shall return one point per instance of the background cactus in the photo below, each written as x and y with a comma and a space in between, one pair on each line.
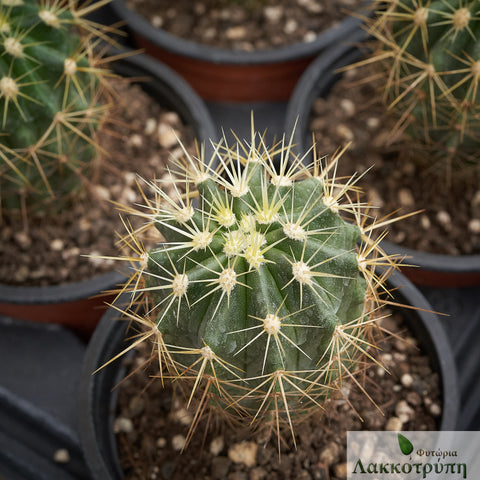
50, 89
430, 57
260, 296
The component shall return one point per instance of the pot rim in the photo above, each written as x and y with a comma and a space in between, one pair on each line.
207, 53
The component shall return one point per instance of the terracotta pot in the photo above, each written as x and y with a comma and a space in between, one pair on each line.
99, 396
80, 306
227, 75
430, 269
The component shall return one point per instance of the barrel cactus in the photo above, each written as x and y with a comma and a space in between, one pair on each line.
261, 294
430, 54
50, 89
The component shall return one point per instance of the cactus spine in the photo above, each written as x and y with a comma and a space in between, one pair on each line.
50, 88
430, 53
260, 295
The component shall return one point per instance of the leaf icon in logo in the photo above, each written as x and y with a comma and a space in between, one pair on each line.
405, 444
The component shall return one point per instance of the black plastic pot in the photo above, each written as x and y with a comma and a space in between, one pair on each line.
98, 394
78, 305
226, 75
430, 269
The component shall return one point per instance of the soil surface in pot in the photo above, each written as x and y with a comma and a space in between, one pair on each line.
245, 25
62, 246
152, 423
449, 199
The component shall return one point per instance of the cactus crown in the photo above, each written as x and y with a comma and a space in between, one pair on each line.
50, 89
260, 293
430, 54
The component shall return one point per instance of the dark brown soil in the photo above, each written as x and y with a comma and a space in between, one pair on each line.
449, 199
49, 249
152, 424
246, 25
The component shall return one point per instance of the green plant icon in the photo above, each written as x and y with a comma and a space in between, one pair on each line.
405, 444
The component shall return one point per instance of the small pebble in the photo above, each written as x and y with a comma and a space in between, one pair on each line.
102, 192
425, 222
330, 453
347, 106
62, 455
474, 225
150, 126
178, 442
182, 416
444, 218
161, 442
157, 21
405, 197
387, 358
57, 244
167, 137
406, 380
216, 446
123, 425
236, 33
394, 424
311, 6
404, 411
309, 37
435, 409
136, 140
290, 26
273, 13
345, 132
245, 452
23, 239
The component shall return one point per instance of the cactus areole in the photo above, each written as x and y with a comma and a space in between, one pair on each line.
262, 291
49, 93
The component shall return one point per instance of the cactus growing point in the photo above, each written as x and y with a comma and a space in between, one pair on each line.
51, 83
260, 294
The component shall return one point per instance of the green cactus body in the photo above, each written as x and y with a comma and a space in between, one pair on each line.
433, 64
257, 284
48, 101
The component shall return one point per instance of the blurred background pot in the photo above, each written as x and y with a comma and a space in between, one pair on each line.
429, 269
80, 305
227, 75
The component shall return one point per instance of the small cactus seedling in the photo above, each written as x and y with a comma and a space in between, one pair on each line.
50, 89
262, 294
429, 51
